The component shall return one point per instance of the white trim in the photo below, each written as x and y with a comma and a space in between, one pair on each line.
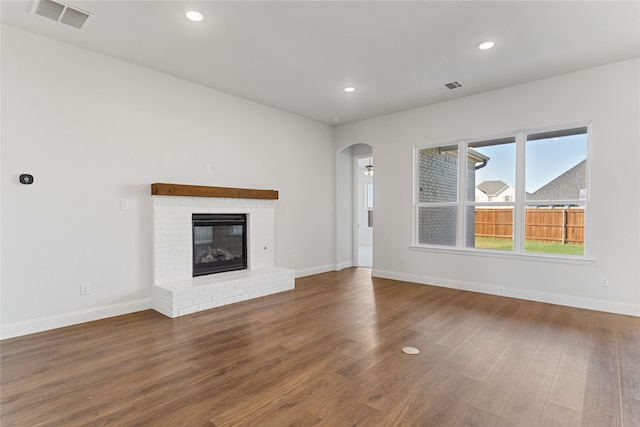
587, 225
41, 324
519, 208
344, 264
416, 189
461, 225
551, 298
355, 220
315, 270
504, 254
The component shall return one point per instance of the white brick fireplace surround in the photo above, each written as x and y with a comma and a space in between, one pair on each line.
175, 291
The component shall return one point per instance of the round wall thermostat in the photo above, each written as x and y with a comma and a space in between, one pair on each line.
25, 178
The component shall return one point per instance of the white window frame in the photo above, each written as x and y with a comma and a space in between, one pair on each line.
368, 204
519, 201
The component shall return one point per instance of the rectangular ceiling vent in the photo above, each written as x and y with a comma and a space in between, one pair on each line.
61, 13
453, 85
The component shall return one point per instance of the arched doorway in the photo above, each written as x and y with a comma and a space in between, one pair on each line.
354, 206
363, 211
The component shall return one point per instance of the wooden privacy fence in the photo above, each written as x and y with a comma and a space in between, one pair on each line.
548, 225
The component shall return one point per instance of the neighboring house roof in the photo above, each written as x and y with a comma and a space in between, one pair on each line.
477, 157
492, 188
565, 187
472, 155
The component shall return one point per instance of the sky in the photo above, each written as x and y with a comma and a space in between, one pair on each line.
546, 159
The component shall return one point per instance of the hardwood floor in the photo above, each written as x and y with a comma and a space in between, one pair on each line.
329, 354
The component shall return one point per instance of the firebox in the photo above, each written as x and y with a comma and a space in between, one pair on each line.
219, 243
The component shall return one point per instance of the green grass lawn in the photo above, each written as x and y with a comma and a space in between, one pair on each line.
530, 246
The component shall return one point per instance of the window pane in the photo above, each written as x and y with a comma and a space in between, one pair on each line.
491, 171
438, 174
437, 225
493, 228
554, 230
556, 167
370, 196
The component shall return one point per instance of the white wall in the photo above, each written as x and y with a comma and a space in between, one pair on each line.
344, 208
609, 96
94, 130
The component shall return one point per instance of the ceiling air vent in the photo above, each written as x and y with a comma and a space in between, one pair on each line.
453, 85
62, 13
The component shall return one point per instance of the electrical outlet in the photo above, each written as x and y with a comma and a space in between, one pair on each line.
401, 260
604, 281
124, 204
207, 168
85, 288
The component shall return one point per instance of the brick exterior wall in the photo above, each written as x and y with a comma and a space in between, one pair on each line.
438, 182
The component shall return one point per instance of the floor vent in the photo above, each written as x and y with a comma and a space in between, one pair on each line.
61, 13
453, 85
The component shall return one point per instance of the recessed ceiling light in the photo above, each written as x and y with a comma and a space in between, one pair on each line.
194, 15
486, 45
335, 119
349, 89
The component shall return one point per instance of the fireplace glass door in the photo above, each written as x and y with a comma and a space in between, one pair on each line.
219, 243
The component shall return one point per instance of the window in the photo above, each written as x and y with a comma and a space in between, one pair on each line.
369, 195
524, 192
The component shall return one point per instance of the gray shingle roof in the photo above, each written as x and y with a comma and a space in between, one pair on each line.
565, 187
492, 188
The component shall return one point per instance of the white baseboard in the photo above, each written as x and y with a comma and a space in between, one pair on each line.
17, 329
559, 299
344, 264
315, 270
41, 324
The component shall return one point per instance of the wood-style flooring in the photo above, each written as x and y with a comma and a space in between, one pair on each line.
329, 353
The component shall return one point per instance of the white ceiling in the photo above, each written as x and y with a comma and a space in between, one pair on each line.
298, 55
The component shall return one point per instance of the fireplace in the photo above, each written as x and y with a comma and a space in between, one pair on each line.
176, 208
219, 243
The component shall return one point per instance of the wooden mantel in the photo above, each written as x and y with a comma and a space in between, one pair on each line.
204, 191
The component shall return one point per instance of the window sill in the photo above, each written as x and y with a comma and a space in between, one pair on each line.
529, 256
